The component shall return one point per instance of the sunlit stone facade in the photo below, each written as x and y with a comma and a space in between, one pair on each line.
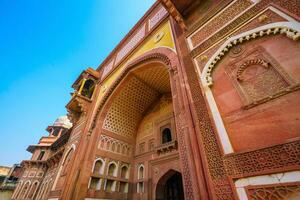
200, 100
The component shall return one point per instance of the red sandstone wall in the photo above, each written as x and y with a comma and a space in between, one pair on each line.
267, 124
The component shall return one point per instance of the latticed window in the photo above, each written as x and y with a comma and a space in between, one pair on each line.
141, 172
259, 79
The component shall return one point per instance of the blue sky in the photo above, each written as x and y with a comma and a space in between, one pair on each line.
44, 45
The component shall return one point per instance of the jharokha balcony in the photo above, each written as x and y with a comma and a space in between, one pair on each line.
84, 87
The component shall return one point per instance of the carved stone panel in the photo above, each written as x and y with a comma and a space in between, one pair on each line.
257, 76
278, 192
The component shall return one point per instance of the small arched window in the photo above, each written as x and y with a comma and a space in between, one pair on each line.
113, 147
141, 172
98, 167
67, 160
107, 146
112, 168
166, 135
124, 172
124, 150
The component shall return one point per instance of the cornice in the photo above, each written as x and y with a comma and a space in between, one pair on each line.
209, 14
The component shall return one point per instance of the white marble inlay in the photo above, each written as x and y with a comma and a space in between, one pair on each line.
157, 17
131, 44
286, 177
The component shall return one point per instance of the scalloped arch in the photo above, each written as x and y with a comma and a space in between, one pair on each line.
290, 29
162, 55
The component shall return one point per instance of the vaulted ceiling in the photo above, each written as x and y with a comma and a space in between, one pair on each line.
139, 91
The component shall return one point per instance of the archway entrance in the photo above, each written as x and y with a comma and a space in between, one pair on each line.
139, 124
170, 187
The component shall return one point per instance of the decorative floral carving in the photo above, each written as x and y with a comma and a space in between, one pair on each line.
290, 5
262, 160
282, 29
236, 51
248, 63
225, 16
280, 192
260, 78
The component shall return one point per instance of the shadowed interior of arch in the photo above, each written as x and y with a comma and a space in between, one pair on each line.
140, 92
170, 187
140, 113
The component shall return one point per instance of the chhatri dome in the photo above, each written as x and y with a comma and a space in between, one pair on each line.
63, 121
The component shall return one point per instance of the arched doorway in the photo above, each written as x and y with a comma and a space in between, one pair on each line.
170, 187
140, 110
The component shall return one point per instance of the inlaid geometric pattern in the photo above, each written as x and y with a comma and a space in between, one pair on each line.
278, 192
157, 17
157, 78
261, 82
134, 99
128, 107
131, 43
107, 69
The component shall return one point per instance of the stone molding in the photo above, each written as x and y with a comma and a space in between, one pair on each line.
290, 29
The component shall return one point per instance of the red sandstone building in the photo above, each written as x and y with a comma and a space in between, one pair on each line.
200, 100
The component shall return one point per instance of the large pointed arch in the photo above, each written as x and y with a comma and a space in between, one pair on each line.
168, 60
160, 188
163, 55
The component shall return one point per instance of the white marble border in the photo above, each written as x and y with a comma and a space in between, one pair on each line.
286, 177
189, 40
221, 130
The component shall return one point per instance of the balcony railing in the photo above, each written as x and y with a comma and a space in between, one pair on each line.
168, 146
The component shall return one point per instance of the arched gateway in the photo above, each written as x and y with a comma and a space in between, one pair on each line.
200, 100
138, 127
170, 186
139, 114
